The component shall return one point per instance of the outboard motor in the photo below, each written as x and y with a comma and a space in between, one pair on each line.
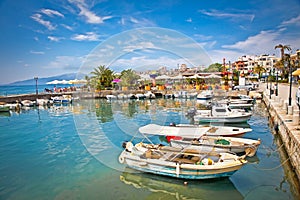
124, 144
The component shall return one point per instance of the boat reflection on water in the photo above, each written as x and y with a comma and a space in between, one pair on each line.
5, 114
170, 188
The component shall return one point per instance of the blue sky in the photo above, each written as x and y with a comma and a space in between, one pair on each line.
46, 38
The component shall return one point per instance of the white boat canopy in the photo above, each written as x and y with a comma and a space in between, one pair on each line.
154, 129
191, 131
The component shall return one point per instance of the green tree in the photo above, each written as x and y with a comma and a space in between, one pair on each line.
102, 77
128, 77
282, 48
216, 67
279, 64
258, 70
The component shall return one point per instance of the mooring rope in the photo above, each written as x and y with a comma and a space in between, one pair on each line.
289, 157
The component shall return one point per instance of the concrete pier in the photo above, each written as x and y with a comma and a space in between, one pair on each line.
286, 124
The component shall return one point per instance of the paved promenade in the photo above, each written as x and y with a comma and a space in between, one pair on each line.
285, 121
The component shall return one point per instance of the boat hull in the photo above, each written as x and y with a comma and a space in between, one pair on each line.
177, 170
223, 119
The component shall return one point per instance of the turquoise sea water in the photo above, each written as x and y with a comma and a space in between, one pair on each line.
29, 89
71, 152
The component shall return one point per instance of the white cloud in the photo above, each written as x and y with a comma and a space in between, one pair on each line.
293, 21
133, 20
202, 37
37, 52
141, 45
260, 43
51, 13
38, 18
89, 36
65, 63
189, 20
90, 17
142, 63
55, 39
235, 16
67, 27
122, 21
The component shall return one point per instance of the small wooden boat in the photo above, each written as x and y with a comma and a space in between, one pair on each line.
221, 114
219, 144
179, 163
192, 131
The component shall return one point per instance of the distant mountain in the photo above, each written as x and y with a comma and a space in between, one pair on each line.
43, 81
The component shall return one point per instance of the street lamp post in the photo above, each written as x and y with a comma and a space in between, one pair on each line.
270, 86
276, 83
36, 85
267, 79
288, 65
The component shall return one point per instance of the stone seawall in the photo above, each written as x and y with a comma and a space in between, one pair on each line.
103, 93
286, 124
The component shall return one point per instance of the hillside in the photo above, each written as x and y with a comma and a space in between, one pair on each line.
43, 81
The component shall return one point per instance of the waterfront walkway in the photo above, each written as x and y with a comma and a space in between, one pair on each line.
285, 119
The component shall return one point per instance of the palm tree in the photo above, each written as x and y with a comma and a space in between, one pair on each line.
282, 48
102, 77
128, 77
279, 64
259, 69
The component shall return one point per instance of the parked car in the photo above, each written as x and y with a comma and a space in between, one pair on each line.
248, 87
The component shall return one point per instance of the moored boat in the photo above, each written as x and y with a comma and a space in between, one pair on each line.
192, 131
219, 144
175, 162
64, 99
4, 108
205, 95
221, 114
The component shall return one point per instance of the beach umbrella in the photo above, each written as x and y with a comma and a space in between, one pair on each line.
195, 76
296, 73
162, 77
213, 76
179, 76
117, 80
77, 81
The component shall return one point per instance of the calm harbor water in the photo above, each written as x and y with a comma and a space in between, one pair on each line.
71, 152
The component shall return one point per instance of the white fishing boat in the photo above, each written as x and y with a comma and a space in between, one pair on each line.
42, 102
64, 99
192, 131
222, 114
149, 95
140, 96
241, 97
218, 144
205, 95
28, 103
179, 163
111, 97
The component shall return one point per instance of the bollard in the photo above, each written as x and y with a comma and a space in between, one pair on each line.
281, 102
285, 104
290, 110
296, 117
